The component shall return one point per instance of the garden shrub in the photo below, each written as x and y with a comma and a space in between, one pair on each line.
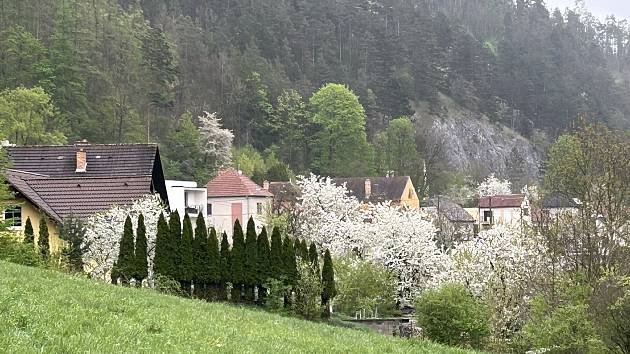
11, 250
364, 286
308, 290
452, 316
168, 285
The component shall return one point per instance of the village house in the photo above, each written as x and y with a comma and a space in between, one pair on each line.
60, 181
453, 222
233, 196
508, 210
186, 198
397, 190
553, 206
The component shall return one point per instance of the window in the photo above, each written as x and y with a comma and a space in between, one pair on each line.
209, 209
411, 194
259, 208
487, 216
13, 216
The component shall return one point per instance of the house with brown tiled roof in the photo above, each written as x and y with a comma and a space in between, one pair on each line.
233, 196
397, 190
509, 209
58, 181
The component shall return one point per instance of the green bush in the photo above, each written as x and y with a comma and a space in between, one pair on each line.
11, 250
565, 329
308, 289
451, 315
168, 285
364, 286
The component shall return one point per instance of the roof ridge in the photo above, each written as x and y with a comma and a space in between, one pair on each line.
87, 144
27, 172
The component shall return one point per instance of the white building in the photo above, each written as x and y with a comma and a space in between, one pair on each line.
233, 196
503, 209
186, 197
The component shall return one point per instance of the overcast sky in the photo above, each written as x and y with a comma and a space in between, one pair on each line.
599, 8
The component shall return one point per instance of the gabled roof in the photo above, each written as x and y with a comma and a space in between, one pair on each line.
383, 188
502, 201
449, 209
102, 159
285, 192
115, 175
231, 183
559, 201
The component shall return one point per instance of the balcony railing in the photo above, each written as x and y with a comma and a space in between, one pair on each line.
194, 209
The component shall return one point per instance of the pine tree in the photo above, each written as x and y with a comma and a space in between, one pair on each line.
275, 259
213, 274
161, 260
126, 259
186, 253
237, 261
201, 258
141, 261
29, 234
225, 267
264, 267
42, 241
297, 247
251, 261
289, 268
328, 283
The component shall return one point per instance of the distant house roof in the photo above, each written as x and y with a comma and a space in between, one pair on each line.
285, 192
502, 201
449, 209
558, 201
383, 188
115, 175
231, 183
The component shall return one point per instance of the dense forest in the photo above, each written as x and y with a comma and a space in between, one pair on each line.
137, 71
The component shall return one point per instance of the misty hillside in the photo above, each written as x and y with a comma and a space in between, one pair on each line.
487, 84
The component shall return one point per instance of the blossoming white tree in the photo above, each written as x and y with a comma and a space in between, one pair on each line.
216, 141
104, 231
400, 239
502, 265
493, 186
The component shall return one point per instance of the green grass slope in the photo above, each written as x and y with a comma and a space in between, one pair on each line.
45, 311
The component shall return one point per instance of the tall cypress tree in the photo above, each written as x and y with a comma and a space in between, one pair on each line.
225, 267
126, 258
314, 258
29, 234
275, 259
42, 241
328, 283
161, 260
141, 262
264, 268
186, 271
237, 262
289, 267
200, 254
174, 242
251, 261
304, 250
213, 275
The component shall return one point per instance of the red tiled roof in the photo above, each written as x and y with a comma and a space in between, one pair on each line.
502, 201
230, 183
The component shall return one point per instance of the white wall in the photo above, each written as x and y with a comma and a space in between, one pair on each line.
177, 192
221, 217
504, 216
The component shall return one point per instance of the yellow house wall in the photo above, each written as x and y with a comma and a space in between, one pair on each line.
29, 210
414, 201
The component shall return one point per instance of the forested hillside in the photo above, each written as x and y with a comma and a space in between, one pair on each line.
132, 71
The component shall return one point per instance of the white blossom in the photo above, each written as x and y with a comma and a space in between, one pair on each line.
493, 186
105, 229
216, 141
399, 238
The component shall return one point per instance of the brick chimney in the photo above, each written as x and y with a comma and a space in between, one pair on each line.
368, 188
81, 161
